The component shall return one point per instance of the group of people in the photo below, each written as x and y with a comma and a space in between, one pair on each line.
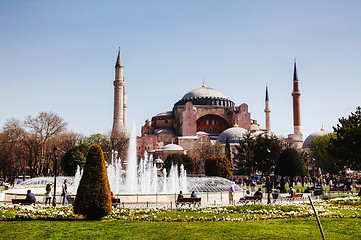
231, 192
180, 195
64, 191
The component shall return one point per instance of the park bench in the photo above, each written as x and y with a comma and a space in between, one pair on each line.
293, 197
192, 200
296, 196
338, 189
23, 201
254, 199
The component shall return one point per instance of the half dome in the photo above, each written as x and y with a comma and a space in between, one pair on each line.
313, 135
172, 147
234, 134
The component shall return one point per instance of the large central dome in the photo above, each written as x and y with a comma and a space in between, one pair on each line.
205, 96
204, 92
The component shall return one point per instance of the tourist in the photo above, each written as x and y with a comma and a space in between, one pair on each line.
193, 194
231, 193
30, 195
180, 195
48, 193
291, 192
64, 189
258, 193
244, 197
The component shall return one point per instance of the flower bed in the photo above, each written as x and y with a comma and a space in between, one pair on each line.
332, 208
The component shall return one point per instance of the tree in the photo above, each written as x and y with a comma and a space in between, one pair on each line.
179, 159
41, 128
267, 149
76, 156
118, 143
227, 150
203, 150
218, 166
290, 164
11, 149
93, 198
244, 154
346, 146
320, 148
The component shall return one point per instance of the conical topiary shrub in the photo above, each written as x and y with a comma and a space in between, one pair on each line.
93, 198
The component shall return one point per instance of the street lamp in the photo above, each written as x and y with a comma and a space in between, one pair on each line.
268, 182
55, 149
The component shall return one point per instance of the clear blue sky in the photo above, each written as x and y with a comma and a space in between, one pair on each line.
59, 56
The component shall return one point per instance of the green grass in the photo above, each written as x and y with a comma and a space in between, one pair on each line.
271, 229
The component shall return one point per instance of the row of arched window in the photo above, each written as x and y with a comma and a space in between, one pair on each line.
166, 139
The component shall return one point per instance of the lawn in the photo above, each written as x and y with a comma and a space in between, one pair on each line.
305, 228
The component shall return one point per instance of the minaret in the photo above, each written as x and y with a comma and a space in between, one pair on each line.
296, 104
120, 100
267, 110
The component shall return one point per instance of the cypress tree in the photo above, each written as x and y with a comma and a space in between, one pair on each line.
227, 150
93, 199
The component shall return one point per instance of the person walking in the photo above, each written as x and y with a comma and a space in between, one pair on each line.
64, 189
231, 193
48, 194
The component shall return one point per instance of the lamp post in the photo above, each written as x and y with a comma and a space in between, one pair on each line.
268, 182
55, 149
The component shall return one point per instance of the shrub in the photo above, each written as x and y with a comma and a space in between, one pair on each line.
93, 199
218, 166
179, 159
72, 158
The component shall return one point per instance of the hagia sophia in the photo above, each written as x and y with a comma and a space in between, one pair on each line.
201, 114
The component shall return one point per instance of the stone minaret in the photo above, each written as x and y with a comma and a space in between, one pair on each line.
120, 100
296, 103
267, 110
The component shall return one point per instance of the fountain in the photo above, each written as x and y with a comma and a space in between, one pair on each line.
136, 179
144, 177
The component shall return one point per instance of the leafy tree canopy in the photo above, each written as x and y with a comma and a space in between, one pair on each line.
218, 166
346, 146
267, 149
290, 164
179, 159
244, 154
74, 157
320, 148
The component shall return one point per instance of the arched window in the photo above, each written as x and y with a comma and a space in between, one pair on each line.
173, 139
166, 138
159, 138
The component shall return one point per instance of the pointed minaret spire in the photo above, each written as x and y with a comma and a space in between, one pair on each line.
267, 98
296, 103
295, 76
119, 62
267, 110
